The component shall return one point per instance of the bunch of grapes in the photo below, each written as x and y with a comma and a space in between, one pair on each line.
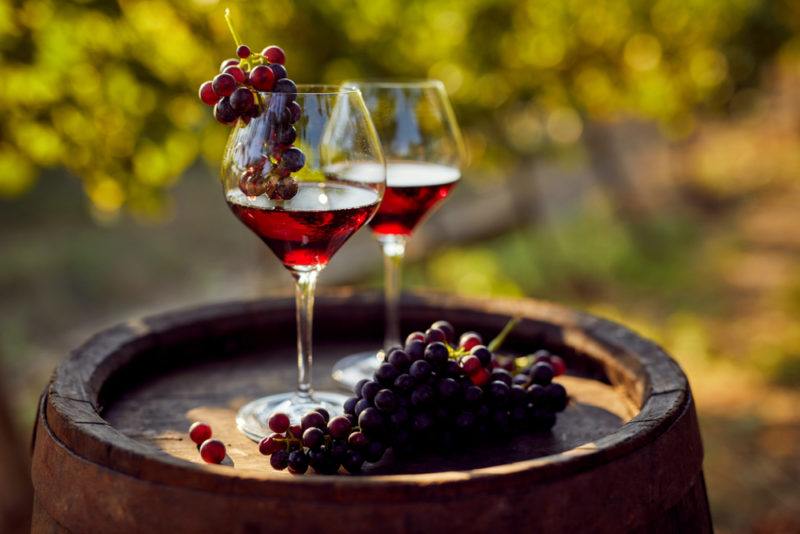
235, 94
431, 393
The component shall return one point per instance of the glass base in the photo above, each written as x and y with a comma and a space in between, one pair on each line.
350, 369
252, 417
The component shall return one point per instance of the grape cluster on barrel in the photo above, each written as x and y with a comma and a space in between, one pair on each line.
236, 94
432, 393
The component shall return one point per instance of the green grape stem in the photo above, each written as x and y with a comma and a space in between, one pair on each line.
495, 344
230, 27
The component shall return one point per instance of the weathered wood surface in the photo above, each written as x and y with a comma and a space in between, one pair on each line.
112, 453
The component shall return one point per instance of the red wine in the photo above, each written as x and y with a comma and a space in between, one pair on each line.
412, 190
308, 229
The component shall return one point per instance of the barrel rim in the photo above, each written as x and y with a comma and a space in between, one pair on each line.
73, 392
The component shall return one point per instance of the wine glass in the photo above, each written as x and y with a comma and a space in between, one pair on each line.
303, 175
424, 153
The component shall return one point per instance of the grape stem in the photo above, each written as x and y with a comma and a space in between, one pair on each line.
230, 27
501, 337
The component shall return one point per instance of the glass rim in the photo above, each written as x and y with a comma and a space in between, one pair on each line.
394, 82
320, 89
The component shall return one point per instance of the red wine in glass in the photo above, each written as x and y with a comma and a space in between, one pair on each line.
308, 229
412, 190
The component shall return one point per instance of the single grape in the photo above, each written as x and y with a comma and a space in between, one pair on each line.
339, 450
262, 78
313, 438
415, 349
224, 84
499, 392
542, 356
369, 390
473, 394
404, 383
279, 460
386, 373
228, 63
350, 405
357, 440
422, 423
312, 420
518, 394
400, 359
286, 188
374, 451
295, 431
399, 418
295, 111
536, 395
483, 354
286, 135
279, 71
452, 369
274, 54
371, 422
559, 366
207, 94
212, 451
242, 100
480, 377
449, 390
469, 340
353, 462
465, 421
433, 335
361, 405
278, 422
520, 379
436, 354
224, 113
339, 427
556, 396
243, 51
503, 376
542, 373
324, 413
447, 328
199, 432
287, 87
358, 386
352, 418
293, 159
272, 443
298, 462
386, 401
542, 419
420, 370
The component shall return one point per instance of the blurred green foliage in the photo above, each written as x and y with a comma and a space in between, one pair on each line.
107, 88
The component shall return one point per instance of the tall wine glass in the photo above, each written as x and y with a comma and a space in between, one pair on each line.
305, 217
424, 154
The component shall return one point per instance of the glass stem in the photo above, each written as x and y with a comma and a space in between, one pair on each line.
394, 248
305, 283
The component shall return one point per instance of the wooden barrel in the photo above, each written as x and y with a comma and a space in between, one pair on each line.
111, 452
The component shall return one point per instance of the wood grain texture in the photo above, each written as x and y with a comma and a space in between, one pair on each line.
625, 454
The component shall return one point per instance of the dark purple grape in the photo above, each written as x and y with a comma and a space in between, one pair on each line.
542, 373
287, 87
465, 421
374, 451
404, 383
399, 359
339, 450
499, 392
503, 376
361, 405
556, 396
324, 413
540, 419
279, 460
452, 369
436, 354
295, 111
483, 411
483, 354
420, 370
369, 390
352, 418
386, 401
313, 438
415, 350
536, 395
224, 84
371, 422
312, 419
298, 462
279, 71
542, 356
473, 394
422, 423
399, 418
520, 380
350, 405
358, 386
293, 159
286, 135
449, 390
339, 427
224, 113
447, 328
386, 373
357, 440
418, 336
433, 335
422, 396
353, 461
